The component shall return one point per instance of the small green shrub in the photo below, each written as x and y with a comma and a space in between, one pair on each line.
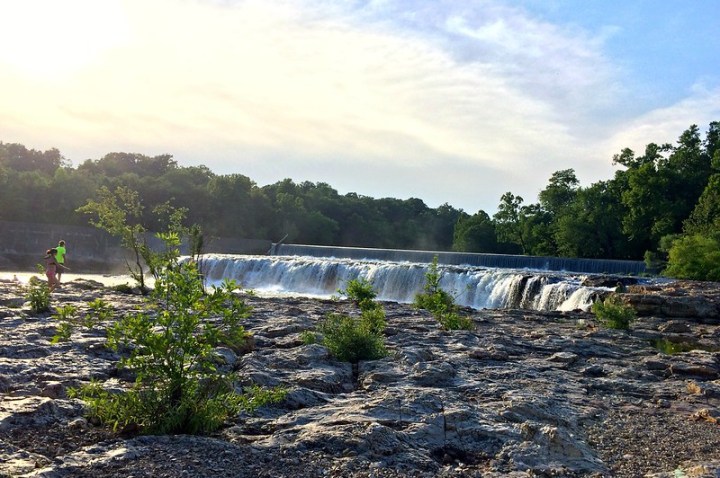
66, 316
352, 339
308, 337
38, 295
374, 319
148, 409
454, 321
613, 314
440, 303
361, 292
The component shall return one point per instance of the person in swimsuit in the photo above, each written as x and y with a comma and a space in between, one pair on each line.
51, 268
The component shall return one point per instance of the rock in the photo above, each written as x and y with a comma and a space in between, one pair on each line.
707, 414
565, 358
53, 390
525, 394
675, 327
705, 389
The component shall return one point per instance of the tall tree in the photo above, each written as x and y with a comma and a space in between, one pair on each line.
475, 233
508, 221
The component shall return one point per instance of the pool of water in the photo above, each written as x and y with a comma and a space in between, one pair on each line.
106, 279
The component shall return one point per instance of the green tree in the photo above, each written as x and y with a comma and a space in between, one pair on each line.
705, 218
695, 257
508, 221
120, 213
591, 226
475, 233
560, 192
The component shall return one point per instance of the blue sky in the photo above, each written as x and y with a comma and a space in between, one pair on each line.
446, 101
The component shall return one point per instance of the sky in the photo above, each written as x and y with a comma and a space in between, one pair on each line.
451, 102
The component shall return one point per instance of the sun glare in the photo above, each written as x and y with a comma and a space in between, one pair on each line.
54, 38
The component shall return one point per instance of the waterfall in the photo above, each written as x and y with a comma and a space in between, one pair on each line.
475, 287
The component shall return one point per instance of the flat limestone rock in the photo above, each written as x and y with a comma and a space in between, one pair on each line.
524, 394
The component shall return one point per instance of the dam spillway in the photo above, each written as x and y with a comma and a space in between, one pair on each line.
399, 281
506, 261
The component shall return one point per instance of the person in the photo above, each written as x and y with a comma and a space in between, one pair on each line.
60, 258
51, 268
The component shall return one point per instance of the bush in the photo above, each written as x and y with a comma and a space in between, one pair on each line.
178, 389
694, 257
454, 321
440, 303
38, 295
350, 339
65, 315
613, 314
361, 292
308, 337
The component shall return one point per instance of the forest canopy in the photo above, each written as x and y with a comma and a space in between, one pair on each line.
667, 194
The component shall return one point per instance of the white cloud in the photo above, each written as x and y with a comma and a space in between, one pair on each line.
444, 101
665, 125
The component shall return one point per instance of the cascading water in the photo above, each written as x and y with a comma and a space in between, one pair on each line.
474, 287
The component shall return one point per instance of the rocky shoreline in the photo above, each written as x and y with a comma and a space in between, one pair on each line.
524, 394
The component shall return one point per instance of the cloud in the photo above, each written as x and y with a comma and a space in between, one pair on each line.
446, 101
665, 125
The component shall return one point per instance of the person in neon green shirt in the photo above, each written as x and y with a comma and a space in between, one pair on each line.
60, 259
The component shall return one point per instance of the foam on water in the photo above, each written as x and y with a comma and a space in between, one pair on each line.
476, 287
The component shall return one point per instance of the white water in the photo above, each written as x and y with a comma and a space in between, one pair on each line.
287, 276
475, 287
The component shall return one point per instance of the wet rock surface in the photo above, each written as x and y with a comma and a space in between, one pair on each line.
524, 394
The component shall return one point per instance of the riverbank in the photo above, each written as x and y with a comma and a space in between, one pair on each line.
524, 394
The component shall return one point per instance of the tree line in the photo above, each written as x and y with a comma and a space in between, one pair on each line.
668, 194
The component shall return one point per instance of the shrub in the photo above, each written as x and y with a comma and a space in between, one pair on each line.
694, 257
99, 311
38, 295
308, 337
433, 297
454, 321
123, 288
66, 316
350, 339
178, 388
361, 292
440, 303
613, 314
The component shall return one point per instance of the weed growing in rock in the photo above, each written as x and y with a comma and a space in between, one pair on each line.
351, 339
613, 314
440, 303
178, 387
308, 337
361, 292
38, 295
65, 315
99, 311
68, 319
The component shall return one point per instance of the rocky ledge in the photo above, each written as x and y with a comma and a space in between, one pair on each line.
524, 394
